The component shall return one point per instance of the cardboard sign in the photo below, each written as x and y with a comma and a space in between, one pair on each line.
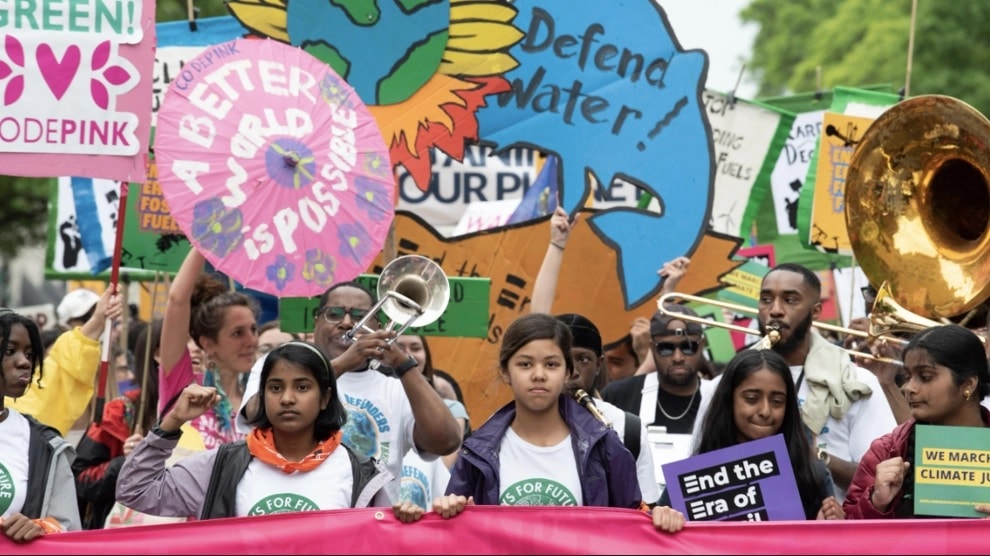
752, 481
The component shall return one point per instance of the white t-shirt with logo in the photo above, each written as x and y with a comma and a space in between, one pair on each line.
264, 489
423, 481
15, 434
531, 475
379, 418
645, 473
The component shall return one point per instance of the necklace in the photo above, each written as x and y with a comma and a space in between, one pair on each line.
681, 416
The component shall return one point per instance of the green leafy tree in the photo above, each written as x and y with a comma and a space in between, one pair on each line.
172, 10
865, 42
23, 206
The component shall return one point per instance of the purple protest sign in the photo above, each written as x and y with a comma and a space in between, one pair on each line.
752, 481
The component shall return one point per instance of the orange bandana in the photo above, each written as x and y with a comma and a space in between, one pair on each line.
261, 444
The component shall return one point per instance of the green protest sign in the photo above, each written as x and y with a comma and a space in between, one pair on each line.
466, 314
719, 340
744, 284
951, 470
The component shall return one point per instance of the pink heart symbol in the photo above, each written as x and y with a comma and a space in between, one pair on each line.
58, 74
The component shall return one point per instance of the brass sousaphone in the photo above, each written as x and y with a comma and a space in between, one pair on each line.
917, 205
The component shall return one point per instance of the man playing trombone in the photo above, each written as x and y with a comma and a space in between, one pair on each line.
836, 396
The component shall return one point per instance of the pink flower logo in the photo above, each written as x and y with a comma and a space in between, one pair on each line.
14, 87
112, 75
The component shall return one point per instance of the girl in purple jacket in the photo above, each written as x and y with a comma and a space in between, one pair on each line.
541, 449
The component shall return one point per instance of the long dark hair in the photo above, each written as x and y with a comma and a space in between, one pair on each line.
719, 428
310, 357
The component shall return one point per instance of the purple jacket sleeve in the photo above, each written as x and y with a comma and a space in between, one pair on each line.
623, 485
147, 486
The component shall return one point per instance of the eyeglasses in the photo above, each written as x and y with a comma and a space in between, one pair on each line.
687, 347
334, 315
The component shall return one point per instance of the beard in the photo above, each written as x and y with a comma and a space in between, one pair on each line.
794, 340
678, 381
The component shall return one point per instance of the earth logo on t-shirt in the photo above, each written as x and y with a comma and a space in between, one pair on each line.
537, 492
415, 487
363, 429
7, 489
283, 503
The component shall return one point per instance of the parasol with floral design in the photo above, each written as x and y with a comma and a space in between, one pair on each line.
273, 168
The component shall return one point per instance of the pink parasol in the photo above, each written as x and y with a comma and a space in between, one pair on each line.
274, 168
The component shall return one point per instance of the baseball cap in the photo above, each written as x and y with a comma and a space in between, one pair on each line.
660, 323
76, 304
584, 332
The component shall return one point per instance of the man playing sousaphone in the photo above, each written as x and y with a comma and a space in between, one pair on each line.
836, 396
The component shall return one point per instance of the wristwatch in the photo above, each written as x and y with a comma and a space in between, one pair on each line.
405, 367
823, 455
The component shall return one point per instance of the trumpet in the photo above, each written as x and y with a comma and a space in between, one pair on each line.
584, 399
891, 321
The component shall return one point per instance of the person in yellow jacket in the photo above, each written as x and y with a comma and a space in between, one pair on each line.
60, 397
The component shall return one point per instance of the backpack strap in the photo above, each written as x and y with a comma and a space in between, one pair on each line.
631, 436
229, 466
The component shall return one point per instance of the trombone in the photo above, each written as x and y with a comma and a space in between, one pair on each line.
412, 290
886, 318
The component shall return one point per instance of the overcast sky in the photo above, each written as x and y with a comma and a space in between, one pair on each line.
714, 26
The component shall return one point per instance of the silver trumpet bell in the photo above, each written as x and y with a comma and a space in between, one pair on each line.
412, 290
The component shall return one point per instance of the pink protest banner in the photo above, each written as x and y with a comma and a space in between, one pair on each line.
515, 530
75, 87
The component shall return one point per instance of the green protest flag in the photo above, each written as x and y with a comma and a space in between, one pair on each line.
466, 315
777, 210
951, 470
152, 239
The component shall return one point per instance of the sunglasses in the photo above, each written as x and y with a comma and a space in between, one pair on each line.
334, 315
687, 347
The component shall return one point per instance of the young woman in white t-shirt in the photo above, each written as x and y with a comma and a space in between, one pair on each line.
37, 490
295, 443
542, 448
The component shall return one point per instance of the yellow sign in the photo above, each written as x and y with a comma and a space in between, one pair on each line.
828, 221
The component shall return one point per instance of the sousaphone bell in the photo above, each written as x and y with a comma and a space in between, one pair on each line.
917, 206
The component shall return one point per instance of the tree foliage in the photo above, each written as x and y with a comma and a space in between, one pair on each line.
24, 201
864, 42
23, 206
